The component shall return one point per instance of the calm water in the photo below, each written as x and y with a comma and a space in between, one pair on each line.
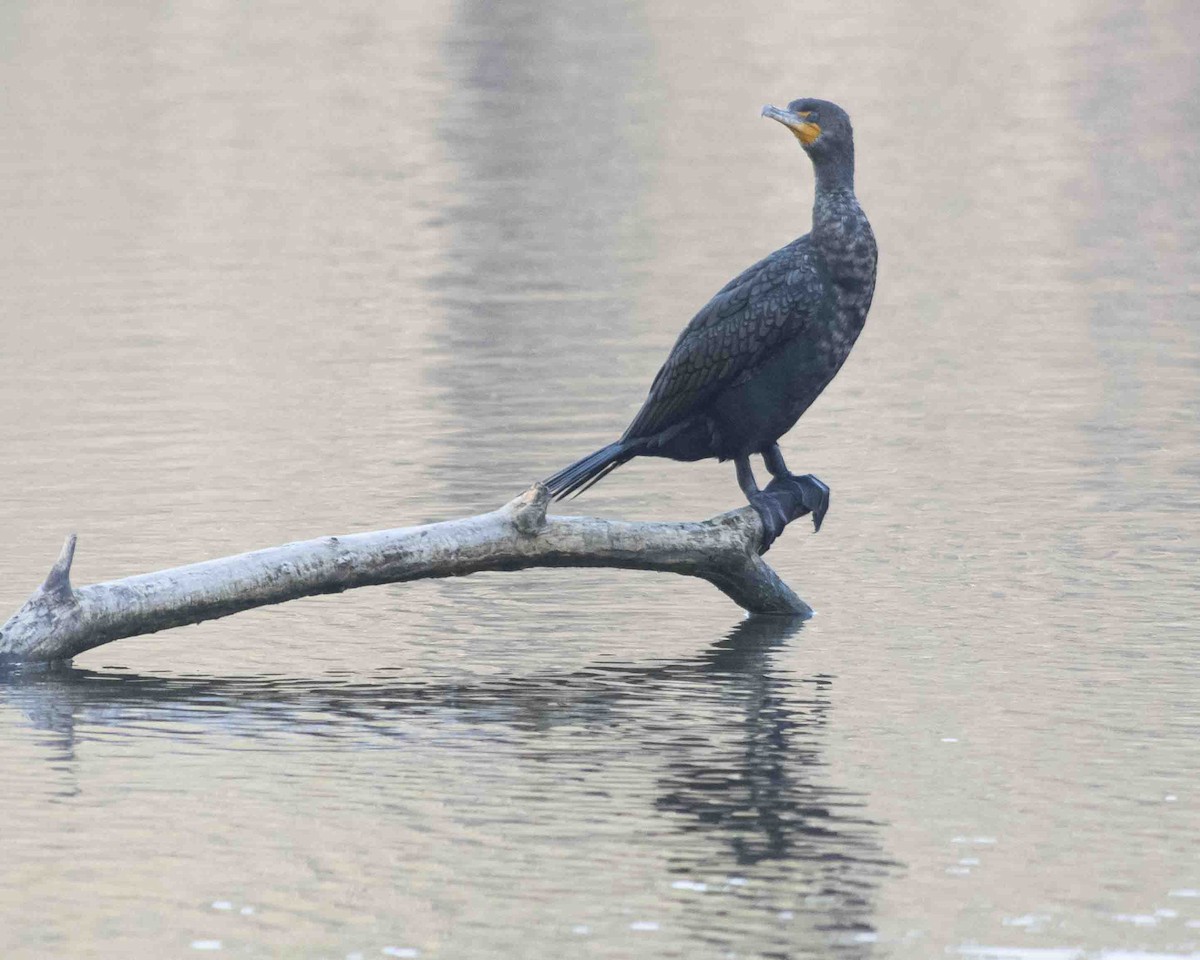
271, 271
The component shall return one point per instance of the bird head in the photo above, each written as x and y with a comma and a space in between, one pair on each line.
823, 128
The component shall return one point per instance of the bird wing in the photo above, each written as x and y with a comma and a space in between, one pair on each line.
737, 330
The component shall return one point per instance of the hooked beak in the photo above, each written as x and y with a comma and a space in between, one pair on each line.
804, 130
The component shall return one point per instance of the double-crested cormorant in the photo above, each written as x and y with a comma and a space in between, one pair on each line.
762, 350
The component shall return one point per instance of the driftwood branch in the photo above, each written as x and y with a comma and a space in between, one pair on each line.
60, 621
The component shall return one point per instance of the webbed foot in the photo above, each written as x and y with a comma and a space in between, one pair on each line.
773, 515
786, 497
800, 495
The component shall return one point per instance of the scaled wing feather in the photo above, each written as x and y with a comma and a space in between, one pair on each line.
738, 329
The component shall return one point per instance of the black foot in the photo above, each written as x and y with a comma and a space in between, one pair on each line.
800, 495
773, 514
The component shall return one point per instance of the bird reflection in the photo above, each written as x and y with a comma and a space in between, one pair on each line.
762, 794
741, 789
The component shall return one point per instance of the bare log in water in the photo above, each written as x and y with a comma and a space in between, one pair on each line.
60, 621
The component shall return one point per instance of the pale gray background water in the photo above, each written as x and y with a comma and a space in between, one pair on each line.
270, 271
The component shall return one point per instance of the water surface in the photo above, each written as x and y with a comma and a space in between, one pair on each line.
273, 272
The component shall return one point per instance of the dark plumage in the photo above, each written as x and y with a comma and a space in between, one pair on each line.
762, 350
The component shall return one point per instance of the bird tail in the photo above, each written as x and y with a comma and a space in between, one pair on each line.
591, 469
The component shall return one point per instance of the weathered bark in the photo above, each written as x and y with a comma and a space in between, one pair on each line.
60, 621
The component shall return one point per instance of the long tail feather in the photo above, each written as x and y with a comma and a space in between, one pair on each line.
591, 469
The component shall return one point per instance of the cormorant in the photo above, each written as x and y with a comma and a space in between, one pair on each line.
762, 350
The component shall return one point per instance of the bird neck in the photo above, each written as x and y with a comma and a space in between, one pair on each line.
835, 174
840, 230
835, 215
835, 208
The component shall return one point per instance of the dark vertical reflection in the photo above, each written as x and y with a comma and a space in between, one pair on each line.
757, 806
545, 134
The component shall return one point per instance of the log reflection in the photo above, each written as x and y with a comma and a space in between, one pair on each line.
745, 815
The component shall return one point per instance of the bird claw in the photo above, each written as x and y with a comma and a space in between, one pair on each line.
816, 498
774, 517
806, 494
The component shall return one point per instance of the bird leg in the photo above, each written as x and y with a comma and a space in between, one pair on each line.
807, 490
770, 510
